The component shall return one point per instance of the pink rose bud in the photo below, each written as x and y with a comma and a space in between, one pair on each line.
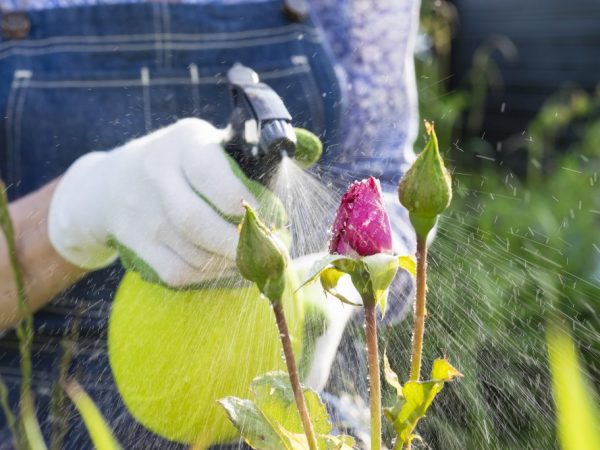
362, 225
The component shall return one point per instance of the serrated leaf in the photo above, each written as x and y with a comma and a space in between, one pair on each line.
409, 264
298, 441
342, 442
390, 376
382, 269
252, 424
272, 422
295, 441
417, 398
442, 370
275, 399
96, 425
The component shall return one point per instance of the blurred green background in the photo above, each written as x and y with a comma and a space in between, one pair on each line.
519, 247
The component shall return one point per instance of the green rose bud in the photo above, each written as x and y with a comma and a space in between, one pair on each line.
261, 256
308, 148
426, 189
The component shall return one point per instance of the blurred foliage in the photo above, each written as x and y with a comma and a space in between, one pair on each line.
578, 416
512, 253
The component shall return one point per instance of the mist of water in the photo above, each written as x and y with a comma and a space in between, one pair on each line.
487, 308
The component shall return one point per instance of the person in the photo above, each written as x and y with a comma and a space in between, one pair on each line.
118, 94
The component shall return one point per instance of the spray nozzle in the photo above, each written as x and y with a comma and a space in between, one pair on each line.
257, 106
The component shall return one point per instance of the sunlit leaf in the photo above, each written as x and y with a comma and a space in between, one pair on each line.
275, 399
298, 441
415, 399
272, 421
329, 280
294, 441
442, 370
321, 264
578, 417
390, 376
330, 277
342, 442
252, 424
97, 427
409, 264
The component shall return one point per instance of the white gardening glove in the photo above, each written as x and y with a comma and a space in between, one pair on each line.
168, 203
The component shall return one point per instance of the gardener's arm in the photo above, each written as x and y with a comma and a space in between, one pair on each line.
45, 272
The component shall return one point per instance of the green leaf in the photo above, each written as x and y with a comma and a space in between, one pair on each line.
272, 422
329, 280
318, 267
97, 427
252, 424
294, 441
341, 442
330, 277
390, 376
275, 399
298, 441
415, 399
577, 416
382, 269
409, 264
371, 275
442, 370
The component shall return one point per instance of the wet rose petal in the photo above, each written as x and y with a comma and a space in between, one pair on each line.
362, 225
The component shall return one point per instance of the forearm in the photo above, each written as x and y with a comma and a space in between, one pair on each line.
45, 272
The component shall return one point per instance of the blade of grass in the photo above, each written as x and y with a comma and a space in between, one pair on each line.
31, 426
11, 420
95, 423
59, 410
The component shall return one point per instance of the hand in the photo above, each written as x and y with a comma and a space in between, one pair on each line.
167, 202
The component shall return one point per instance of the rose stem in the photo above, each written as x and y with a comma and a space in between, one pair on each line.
374, 382
286, 343
420, 310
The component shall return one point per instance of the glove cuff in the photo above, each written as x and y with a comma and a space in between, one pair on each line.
76, 216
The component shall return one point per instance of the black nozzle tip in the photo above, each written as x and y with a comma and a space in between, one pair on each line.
277, 139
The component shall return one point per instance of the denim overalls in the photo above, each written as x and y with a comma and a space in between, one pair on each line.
92, 78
